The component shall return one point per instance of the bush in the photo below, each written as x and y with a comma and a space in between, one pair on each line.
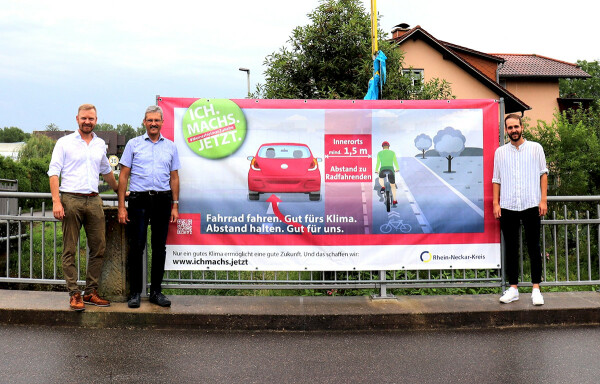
31, 170
10, 169
571, 145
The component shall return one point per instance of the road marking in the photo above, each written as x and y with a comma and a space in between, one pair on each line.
477, 210
364, 206
421, 219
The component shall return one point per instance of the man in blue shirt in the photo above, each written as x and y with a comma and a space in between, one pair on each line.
152, 162
520, 183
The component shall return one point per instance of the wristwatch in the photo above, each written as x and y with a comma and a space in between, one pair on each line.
175, 202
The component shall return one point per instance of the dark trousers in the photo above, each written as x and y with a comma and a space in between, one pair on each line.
510, 226
143, 210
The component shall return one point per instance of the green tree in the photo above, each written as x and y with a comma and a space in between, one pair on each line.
331, 58
32, 167
37, 174
127, 131
52, 127
104, 127
571, 144
37, 147
13, 135
140, 130
583, 88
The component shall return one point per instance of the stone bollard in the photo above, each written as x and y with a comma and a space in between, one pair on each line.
113, 281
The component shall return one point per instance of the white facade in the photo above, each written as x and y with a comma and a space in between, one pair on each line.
11, 149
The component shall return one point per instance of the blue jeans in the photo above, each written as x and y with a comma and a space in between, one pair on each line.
144, 210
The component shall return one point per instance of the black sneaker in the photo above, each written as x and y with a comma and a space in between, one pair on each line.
134, 301
159, 299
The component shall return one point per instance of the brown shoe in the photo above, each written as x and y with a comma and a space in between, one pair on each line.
94, 299
76, 302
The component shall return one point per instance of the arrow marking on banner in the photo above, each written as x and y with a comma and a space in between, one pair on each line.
274, 200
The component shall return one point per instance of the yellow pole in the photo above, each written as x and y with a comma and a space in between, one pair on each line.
374, 45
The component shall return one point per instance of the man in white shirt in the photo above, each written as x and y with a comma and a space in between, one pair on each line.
520, 184
77, 159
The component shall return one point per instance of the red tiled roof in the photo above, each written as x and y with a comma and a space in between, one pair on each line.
519, 65
512, 103
456, 47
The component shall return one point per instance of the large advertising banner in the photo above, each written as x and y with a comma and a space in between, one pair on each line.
291, 185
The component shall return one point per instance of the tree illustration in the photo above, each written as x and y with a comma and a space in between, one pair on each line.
449, 143
423, 142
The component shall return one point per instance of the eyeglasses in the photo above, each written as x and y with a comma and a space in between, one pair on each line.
153, 121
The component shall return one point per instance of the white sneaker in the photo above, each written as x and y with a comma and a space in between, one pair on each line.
510, 295
536, 297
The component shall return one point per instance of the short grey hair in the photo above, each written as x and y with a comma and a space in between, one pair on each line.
153, 109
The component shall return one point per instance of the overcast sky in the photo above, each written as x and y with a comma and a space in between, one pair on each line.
118, 55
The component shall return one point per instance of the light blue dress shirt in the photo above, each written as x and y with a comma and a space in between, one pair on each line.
151, 163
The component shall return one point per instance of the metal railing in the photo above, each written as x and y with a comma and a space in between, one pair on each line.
29, 246
571, 243
30, 249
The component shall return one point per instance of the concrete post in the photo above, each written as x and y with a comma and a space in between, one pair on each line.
113, 281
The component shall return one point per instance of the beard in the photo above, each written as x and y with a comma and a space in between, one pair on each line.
515, 136
86, 128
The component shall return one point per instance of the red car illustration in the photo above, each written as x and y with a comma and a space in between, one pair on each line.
284, 167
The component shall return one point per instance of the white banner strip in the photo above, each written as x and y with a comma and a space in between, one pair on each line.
332, 258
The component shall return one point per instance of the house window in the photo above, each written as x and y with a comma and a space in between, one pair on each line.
416, 76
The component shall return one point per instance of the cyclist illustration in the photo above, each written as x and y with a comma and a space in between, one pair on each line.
387, 164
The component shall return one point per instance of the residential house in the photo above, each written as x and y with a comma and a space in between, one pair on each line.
534, 79
11, 149
528, 83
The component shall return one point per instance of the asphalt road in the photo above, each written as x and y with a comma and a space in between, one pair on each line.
445, 210
74, 355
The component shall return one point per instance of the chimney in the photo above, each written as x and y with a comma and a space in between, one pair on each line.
400, 30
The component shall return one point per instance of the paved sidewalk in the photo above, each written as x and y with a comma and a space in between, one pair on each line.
307, 313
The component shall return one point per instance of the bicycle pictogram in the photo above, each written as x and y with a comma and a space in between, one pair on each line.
395, 224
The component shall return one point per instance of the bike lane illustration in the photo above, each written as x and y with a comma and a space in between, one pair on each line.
401, 219
444, 208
